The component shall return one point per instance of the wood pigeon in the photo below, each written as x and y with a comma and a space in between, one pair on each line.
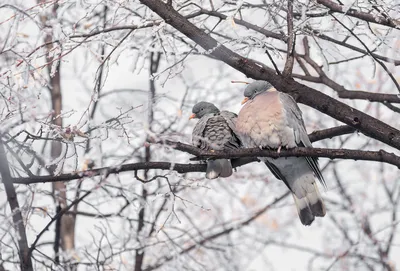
271, 120
215, 131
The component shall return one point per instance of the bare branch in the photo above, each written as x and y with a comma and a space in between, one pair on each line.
368, 17
256, 28
224, 231
330, 133
378, 156
370, 53
57, 217
116, 28
26, 261
322, 36
369, 96
287, 71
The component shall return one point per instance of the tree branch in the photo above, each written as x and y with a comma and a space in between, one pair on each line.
284, 38
287, 71
24, 257
303, 94
322, 36
377, 19
224, 231
56, 218
116, 28
248, 25
250, 155
370, 96
331, 132
180, 168
341, 90
370, 53
378, 156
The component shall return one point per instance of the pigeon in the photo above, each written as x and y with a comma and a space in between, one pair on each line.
215, 131
271, 119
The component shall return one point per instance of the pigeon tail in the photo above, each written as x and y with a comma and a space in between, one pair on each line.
304, 211
317, 205
219, 168
310, 206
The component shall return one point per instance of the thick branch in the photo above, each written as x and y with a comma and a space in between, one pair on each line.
330, 133
180, 168
378, 156
246, 156
287, 71
370, 96
25, 259
303, 94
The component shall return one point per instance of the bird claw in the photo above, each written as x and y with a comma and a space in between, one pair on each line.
279, 149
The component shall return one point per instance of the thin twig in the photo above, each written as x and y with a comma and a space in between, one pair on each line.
370, 53
383, 20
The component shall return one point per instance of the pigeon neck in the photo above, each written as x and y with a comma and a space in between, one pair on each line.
256, 94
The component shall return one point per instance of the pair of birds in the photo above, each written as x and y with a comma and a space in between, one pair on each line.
269, 120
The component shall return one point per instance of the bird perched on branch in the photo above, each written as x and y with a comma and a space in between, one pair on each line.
271, 120
215, 131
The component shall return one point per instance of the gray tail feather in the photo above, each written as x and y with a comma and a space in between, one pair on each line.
310, 206
218, 168
306, 216
317, 205
318, 208
303, 209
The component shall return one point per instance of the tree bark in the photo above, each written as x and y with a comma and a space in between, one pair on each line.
65, 228
25, 259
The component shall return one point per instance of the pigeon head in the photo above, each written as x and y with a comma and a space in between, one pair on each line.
255, 88
203, 108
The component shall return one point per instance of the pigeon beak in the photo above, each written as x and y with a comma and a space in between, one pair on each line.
245, 100
192, 116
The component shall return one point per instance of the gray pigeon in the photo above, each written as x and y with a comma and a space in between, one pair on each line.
215, 131
272, 120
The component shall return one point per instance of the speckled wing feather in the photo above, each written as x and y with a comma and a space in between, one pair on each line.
230, 118
198, 134
217, 133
